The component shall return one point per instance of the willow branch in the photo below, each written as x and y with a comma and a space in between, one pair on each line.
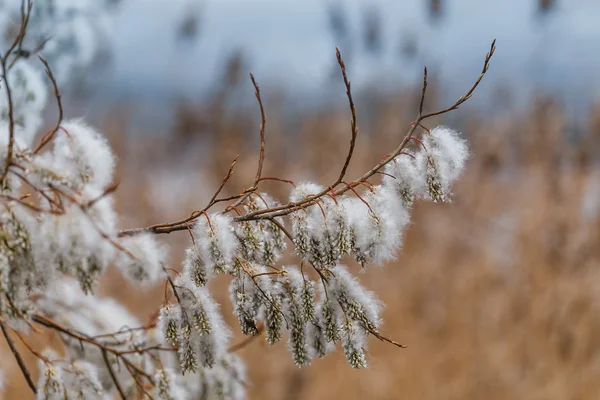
467, 96
112, 375
354, 124
263, 125
286, 209
48, 137
11, 122
18, 357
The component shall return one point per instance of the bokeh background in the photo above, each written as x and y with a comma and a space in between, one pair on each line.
496, 295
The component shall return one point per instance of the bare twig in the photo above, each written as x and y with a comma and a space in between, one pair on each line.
285, 209
354, 124
107, 191
282, 228
423, 90
112, 375
263, 125
467, 96
225, 179
386, 339
160, 228
49, 323
25, 14
48, 137
18, 357
11, 123
243, 343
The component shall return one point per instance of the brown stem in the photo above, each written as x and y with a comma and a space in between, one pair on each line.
354, 124
18, 357
285, 209
112, 375
47, 138
263, 125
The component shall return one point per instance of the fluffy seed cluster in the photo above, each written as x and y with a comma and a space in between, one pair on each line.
261, 242
216, 244
76, 240
195, 326
61, 380
57, 242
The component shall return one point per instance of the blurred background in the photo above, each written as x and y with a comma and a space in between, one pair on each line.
495, 295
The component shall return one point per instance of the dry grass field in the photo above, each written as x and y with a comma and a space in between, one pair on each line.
495, 295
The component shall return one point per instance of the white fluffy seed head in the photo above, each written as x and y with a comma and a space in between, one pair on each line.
261, 242
170, 319
216, 242
194, 267
376, 229
51, 383
303, 190
202, 331
143, 263
442, 162
403, 175
84, 154
354, 343
358, 303
449, 147
293, 281
168, 386
82, 381
246, 297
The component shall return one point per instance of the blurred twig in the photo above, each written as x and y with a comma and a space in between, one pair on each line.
20, 362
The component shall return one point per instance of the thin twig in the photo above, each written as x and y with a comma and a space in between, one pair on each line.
386, 339
354, 124
286, 209
282, 228
423, 90
18, 357
112, 375
47, 138
11, 124
108, 190
225, 179
240, 345
467, 96
263, 125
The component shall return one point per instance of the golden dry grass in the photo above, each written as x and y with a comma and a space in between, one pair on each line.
495, 295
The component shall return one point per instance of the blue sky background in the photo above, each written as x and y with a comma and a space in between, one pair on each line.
288, 44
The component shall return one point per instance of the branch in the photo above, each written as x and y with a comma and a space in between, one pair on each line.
245, 342
462, 99
49, 323
25, 14
163, 228
263, 124
18, 357
225, 179
11, 123
386, 339
48, 137
112, 375
285, 209
423, 90
354, 126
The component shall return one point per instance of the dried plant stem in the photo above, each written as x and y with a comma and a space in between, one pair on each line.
112, 375
286, 209
20, 362
48, 137
263, 124
354, 122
